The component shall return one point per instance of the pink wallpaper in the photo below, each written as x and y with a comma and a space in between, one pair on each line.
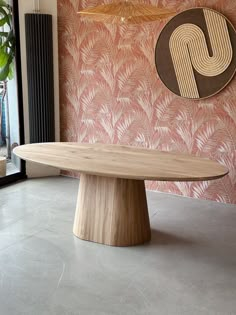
110, 93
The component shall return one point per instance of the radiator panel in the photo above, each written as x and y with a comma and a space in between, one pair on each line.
39, 50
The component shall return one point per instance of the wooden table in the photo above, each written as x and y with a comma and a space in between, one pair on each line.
112, 206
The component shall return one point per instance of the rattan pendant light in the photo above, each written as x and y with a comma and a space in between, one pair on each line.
125, 12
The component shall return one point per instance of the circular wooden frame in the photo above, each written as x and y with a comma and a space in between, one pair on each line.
206, 85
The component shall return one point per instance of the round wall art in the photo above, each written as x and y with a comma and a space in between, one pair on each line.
196, 53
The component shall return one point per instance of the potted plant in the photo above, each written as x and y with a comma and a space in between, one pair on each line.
7, 42
7, 54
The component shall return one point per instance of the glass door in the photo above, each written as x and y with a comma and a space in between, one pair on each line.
11, 105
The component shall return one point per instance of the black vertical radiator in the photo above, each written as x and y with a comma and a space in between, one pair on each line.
39, 51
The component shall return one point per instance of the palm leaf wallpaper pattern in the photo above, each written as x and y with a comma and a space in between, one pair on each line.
110, 93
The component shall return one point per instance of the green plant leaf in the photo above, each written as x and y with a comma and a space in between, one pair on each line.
4, 4
10, 40
3, 21
5, 17
4, 57
7, 43
3, 12
4, 72
4, 34
11, 71
10, 19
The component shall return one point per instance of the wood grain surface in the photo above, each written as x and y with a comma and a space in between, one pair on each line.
112, 211
122, 161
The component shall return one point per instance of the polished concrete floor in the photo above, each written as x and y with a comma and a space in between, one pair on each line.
189, 267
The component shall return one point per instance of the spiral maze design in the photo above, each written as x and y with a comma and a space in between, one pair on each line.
201, 53
189, 50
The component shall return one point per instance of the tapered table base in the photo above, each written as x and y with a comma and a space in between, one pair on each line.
112, 211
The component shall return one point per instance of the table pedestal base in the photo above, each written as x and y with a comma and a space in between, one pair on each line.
112, 211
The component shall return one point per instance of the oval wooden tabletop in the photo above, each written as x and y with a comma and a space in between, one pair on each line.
121, 161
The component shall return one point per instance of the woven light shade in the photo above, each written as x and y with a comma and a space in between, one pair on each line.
125, 12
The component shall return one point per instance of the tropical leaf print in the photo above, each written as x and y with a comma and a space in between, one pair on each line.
110, 93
